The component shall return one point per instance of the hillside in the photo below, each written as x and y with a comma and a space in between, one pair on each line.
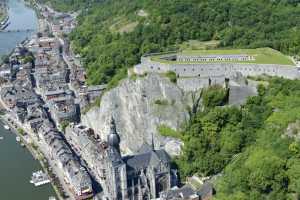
112, 35
252, 147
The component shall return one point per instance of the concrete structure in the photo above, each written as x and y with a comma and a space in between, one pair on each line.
211, 66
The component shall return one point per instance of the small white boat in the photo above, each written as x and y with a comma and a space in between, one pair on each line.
1, 138
52, 198
6, 127
18, 139
39, 178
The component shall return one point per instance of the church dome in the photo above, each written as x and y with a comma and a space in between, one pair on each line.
113, 139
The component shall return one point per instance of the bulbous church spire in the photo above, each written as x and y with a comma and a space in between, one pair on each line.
113, 139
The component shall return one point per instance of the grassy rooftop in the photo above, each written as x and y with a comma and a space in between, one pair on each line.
261, 55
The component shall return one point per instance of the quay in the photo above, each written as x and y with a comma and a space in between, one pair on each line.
17, 30
21, 162
71, 180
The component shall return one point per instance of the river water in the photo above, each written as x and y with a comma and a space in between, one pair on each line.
21, 18
16, 163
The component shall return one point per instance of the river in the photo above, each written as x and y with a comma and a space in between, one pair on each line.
16, 163
21, 17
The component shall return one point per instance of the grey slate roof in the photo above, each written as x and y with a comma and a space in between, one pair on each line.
179, 193
144, 160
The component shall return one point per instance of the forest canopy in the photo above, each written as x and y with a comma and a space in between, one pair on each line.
253, 148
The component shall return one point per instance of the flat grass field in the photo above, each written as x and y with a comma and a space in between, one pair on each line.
261, 55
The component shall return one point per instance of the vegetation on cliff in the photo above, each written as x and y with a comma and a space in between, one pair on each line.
248, 145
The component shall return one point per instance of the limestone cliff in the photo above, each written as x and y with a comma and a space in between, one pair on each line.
139, 106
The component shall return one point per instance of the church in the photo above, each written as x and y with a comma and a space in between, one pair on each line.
138, 177
142, 176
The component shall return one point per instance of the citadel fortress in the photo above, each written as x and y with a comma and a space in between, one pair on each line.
215, 65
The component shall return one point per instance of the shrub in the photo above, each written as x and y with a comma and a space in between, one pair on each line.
166, 131
215, 96
172, 76
161, 102
21, 131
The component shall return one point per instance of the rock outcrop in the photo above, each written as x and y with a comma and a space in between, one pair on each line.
293, 130
139, 107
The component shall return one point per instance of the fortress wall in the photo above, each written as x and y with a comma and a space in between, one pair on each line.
151, 66
196, 83
219, 69
188, 70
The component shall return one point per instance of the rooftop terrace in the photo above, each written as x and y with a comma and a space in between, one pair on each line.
260, 55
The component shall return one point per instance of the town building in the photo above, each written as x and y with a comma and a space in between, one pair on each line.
74, 174
16, 95
63, 109
187, 192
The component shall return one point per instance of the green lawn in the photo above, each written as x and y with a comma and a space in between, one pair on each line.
262, 56
199, 45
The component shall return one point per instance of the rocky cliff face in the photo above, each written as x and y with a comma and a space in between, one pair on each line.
139, 107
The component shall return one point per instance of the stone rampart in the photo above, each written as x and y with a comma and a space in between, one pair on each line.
210, 70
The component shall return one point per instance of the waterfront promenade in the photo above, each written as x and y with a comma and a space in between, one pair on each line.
41, 121
17, 163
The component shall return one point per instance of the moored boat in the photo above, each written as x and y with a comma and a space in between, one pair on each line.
6, 127
39, 178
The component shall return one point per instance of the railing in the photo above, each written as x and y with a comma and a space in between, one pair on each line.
17, 30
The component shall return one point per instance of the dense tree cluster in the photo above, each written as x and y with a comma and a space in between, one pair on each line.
248, 145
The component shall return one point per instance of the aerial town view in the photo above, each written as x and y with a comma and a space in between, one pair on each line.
136, 100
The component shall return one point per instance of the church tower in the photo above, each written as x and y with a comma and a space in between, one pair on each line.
117, 168
113, 138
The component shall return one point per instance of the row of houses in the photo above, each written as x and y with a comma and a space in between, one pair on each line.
25, 102
86, 95
52, 82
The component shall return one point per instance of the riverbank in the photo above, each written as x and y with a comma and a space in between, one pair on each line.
27, 137
19, 131
18, 163
32, 117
